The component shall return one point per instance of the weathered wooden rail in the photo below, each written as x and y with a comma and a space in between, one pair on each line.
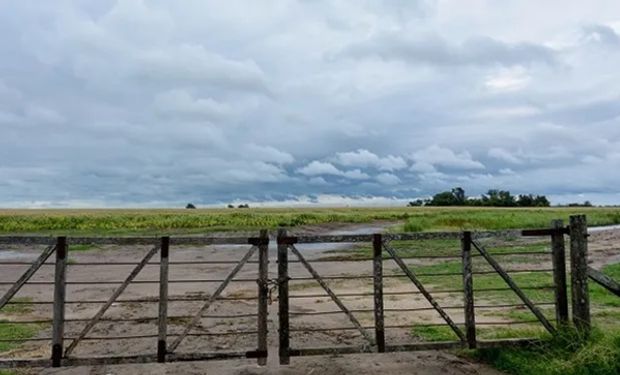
166, 343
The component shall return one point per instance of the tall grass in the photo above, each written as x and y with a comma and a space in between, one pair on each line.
565, 354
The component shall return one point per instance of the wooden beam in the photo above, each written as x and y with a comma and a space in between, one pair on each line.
545, 232
58, 323
377, 245
27, 275
333, 296
468, 291
539, 315
163, 300
558, 254
111, 300
263, 294
604, 281
283, 300
196, 319
411, 275
579, 273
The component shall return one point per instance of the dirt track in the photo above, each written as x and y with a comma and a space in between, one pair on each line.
603, 248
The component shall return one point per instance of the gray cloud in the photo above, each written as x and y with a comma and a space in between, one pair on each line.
436, 51
142, 103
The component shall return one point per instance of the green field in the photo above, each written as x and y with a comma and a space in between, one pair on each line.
157, 221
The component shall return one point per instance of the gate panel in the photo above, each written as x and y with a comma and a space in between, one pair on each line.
138, 315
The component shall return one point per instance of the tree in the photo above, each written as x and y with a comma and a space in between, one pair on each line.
231, 206
459, 195
445, 198
541, 201
416, 203
498, 198
190, 206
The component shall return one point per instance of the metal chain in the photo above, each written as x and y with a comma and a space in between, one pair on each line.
271, 285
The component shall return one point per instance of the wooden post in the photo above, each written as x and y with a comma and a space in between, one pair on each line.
377, 244
579, 273
559, 272
263, 295
283, 299
58, 323
468, 291
163, 300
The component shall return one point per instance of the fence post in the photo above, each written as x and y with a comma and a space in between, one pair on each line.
377, 263
163, 300
263, 294
468, 291
558, 255
58, 323
579, 273
283, 299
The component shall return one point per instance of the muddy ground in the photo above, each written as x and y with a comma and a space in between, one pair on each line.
604, 248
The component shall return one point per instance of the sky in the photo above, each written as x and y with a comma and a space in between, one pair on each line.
292, 102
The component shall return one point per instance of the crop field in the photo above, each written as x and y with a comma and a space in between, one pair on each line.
177, 221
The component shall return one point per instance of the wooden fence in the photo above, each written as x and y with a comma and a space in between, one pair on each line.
165, 343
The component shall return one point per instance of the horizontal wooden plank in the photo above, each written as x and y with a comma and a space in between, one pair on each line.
418, 346
214, 240
190, 240
544, 232
116, 360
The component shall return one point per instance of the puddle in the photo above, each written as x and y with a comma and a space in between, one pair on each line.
603, 228
12, 255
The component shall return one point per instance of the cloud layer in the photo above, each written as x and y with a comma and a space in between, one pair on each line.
130, 103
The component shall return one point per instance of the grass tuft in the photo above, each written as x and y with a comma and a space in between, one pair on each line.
565, 354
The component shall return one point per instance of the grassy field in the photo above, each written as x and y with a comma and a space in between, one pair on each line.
157, 221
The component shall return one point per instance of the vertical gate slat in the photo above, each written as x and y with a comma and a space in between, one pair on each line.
58, 322
283, 300
468, 291
163, 300
558, 254
377, 244
263, 295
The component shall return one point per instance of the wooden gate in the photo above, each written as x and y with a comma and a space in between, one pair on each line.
165, 344
464, 330
68, 323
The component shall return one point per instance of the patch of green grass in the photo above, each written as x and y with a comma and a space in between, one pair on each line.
434, 333
22, 308
9, 330
81, 247
565, 354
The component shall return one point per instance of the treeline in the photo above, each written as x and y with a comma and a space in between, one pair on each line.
493, 198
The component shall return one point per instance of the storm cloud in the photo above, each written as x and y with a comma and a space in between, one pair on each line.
157, 103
